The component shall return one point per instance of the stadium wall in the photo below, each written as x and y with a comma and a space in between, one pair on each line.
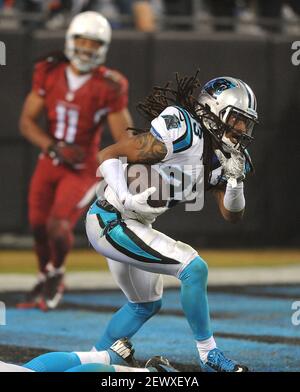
263, 62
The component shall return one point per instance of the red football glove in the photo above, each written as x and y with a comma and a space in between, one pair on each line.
66, 153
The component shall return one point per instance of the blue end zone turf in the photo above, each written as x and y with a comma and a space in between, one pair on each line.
253, 326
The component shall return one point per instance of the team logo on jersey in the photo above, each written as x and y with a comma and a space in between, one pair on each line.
216, 86
171, 121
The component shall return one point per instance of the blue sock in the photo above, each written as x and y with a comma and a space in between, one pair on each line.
127, 321
194, 298
53, 362
92, 367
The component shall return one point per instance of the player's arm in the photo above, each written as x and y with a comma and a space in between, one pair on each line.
230, 198
118, 123
69, 154
32, 109
143, 148
231, 202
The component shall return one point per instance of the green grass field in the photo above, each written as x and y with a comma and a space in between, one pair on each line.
12, 261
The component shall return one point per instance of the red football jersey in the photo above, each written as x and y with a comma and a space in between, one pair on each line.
77, 116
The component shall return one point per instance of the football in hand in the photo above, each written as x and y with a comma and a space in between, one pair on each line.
143, 176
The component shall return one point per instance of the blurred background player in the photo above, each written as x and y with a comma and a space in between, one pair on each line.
77, 93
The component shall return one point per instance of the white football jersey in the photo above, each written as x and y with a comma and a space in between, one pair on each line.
182, 166
182, 135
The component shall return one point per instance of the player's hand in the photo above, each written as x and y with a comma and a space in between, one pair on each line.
233, 167
66, 153
139, 203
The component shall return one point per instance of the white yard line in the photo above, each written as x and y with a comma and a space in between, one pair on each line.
217, 276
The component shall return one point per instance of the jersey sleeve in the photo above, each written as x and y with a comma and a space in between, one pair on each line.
39, 78
117, 96
173, 127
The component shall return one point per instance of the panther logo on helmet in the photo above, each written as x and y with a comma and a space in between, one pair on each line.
216, 86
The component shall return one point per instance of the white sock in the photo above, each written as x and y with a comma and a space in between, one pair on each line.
94, 357
204, 346
60, 270
41, 277
52, 271
49, 267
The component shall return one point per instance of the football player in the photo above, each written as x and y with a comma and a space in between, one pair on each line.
184, 132
77, 93
93, 361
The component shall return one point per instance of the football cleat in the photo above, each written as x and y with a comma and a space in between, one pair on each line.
121, 353
33, 297
217, 362
159, 364
53, 290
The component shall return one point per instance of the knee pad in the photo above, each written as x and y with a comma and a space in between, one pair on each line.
145, 309
195, 271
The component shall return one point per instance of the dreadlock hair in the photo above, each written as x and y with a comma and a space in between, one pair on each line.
162, 97
182, 95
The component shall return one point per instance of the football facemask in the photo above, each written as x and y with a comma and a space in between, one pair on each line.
86, 58
239, 127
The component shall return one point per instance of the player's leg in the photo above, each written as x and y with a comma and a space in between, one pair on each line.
143, 291
73, 194
153, 365
9, 367
93, 368
133, 243
142, 288
121, 351
182, 261
40, 199
53, 362
157, 366
41, 196
140, 247
193, 274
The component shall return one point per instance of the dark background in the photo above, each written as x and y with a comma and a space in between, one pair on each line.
272, 215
